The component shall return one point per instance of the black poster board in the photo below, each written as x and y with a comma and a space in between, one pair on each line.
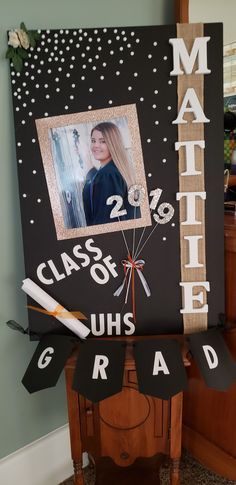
73, 80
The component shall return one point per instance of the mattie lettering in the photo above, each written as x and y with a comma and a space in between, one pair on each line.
48, 272
111, 324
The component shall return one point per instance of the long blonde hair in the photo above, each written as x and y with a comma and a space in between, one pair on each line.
115, 145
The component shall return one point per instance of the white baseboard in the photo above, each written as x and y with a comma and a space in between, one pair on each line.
46, 461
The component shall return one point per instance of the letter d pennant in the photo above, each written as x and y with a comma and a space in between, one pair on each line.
99, 369
213, 359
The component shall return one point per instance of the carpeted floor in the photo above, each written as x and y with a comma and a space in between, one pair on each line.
192, 473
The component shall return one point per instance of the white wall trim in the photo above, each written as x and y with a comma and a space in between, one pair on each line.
46, 461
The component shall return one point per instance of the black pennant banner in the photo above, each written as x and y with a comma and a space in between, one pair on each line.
99, 369
160, 368
47, 362
213, 359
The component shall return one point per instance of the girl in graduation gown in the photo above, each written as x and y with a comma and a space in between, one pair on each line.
112, 178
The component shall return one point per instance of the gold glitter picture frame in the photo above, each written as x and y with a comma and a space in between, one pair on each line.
70, 165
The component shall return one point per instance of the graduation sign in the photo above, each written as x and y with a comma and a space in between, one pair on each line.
119, 153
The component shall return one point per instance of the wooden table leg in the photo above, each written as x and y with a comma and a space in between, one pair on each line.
78, 473
175, 472
176, 437
75, 431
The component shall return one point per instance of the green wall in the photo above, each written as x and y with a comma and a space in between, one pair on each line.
24, 417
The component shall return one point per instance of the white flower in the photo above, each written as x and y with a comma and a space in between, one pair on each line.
14, 40
24, 39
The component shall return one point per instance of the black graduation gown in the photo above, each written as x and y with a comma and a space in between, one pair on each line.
98, 187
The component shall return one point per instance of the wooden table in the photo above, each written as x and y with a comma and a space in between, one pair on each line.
209, 415
124, 427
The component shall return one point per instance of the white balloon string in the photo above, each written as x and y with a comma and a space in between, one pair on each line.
134, 234
145, 242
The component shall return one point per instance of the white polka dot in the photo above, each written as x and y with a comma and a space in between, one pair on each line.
99, 48
90, 107
141, 99
110, 101
82, 78
155, 43
73, 85
121, 48
58, 90
20, 161
149, 175
17, 108
34, 172
117, 37
154, 69
45, 114
132, 53
19, 144
32, 100
149, 140
94, 68
23, 122
66, 107
24, 195
67, 74
164, 238
156, 91
135, 74
105, 30
101, 77
121, 61
47, 96
130, 88
169, 108
90, 90
71, 96
30, 113
132, 34
156, 122
165, 139
104, 64
173, 224
109, 41
154, 106
164, 160
137, 41
165, 58
31, 221
117, 73
149, 56
170, 82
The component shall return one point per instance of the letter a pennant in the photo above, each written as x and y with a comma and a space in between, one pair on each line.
99, 369
160, 368
213, 359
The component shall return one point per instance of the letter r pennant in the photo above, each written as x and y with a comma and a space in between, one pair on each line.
213, 359
99, 369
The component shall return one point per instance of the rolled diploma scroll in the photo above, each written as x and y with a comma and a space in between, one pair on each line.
49, 304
